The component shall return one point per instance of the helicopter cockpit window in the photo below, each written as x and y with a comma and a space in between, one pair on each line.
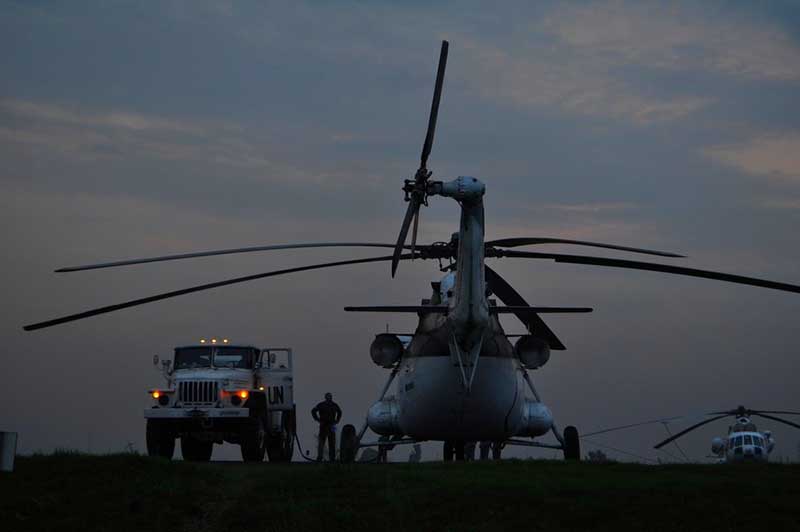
748, 440
192, 357
757, 441
233, 357
737, 441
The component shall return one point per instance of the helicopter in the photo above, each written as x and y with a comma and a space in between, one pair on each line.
459, 379
744, 443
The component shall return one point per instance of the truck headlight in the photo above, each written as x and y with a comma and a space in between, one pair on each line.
161, 397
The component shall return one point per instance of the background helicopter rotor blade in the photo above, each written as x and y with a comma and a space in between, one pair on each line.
779, 420
198, 288
527, 241
631, 425
512, 298
437, 96
687, 430
231, 251
649, 266
416, 190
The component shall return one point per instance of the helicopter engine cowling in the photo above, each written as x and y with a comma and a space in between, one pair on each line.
384, 417
386, 350
532, 351
537, 420
770, 440
717, 445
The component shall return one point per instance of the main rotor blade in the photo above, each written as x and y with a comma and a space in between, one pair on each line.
414, 231
527, 241
437, 96
779, 420
512, 298
684, 431
413, 206
444, 309
198, 288
775, 412
231, 251
648, 266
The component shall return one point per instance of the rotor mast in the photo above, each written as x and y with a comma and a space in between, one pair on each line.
469, 310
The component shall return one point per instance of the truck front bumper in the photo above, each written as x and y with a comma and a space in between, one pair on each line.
195, 413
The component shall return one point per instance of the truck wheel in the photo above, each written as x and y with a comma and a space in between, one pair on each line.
160, 441
195, 450
253, 442
280, 447
347, 444
572, 444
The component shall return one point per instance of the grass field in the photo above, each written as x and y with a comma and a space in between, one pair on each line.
130, 492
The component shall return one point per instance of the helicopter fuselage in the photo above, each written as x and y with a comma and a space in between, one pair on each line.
744, 443
459, 378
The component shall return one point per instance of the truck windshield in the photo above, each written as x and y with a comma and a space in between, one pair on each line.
233, 357
192, 357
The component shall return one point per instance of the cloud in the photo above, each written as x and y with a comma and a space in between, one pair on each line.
767, 155
591, 59
85, 135
114, 119
557, 77
781, 204
590, 207
678, 36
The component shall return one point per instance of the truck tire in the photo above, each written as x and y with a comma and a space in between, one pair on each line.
253, 442
572, 444
195, 450
160, 440
347, 444
280, 447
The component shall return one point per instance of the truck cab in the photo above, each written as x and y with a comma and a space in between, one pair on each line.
217, 392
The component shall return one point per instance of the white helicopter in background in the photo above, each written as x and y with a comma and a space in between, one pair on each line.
459, 379
744, 443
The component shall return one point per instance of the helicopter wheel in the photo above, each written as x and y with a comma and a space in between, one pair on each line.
447, 451
459, 445
572, 444
347, 444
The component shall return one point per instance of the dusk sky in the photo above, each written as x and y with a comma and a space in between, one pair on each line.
133, 129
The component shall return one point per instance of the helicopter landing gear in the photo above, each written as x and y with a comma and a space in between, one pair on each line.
572, 444
453, 448
348, 444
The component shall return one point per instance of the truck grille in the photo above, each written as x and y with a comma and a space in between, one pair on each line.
198, 392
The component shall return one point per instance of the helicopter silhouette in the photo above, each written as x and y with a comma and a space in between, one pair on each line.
459, 378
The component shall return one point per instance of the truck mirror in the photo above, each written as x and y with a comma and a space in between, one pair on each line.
155, 360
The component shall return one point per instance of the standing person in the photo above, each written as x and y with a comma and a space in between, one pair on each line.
485, 447
327, 414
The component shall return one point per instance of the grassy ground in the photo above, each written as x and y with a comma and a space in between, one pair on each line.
130, 492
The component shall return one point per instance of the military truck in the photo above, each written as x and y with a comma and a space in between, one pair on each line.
219, 392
